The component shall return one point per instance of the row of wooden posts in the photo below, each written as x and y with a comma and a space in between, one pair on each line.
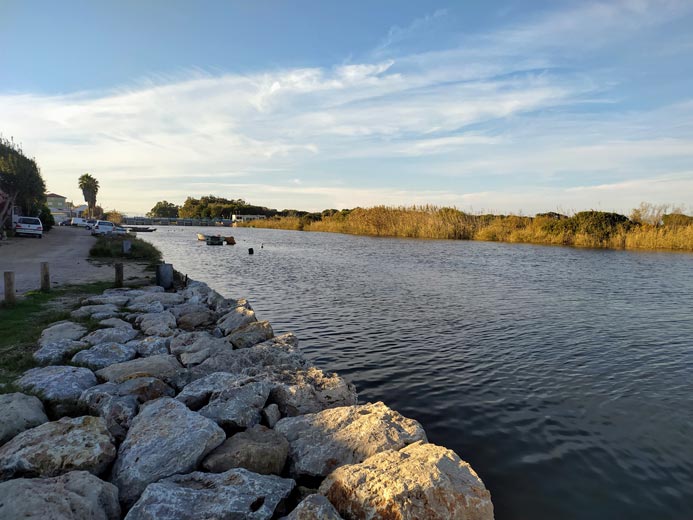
10, 293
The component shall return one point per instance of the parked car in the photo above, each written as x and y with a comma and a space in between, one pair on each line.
29, 226
79, 222
91, 223
66, 222
103, 227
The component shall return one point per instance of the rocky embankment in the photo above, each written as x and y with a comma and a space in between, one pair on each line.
182, 405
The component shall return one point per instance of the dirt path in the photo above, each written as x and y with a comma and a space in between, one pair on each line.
66, 249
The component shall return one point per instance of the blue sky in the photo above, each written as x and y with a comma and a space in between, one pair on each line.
488, 106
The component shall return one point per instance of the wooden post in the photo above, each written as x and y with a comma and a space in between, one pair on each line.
119, 275
10, 297
45, 277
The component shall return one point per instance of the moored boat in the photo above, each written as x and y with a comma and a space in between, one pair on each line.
230, 241
200, 236
214, 240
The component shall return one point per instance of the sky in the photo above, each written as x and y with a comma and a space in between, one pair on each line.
512, 107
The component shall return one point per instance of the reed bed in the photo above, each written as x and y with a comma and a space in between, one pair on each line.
584, 229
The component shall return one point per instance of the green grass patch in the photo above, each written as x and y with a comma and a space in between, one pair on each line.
21, 325
112, 247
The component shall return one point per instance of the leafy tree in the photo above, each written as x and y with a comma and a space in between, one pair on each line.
163, 209
21, 182
90, 187
114, 216
47, 218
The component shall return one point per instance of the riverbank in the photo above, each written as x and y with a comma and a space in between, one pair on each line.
584, 229
192, 400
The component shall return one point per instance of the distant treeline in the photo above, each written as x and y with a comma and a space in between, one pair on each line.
649, 226
213, 207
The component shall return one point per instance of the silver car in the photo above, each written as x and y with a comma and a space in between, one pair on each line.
30, 226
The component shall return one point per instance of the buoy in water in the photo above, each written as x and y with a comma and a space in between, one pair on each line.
250, 251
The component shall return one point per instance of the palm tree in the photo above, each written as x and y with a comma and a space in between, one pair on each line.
90, 187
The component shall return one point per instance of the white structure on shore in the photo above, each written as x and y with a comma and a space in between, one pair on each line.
246, 218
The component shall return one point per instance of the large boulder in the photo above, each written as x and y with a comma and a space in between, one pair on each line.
110, 335
150, 346
194, 348
58, 351
161, 367
197, 292
194, 320
236, 493
251, 334
164, 298
311, 390
53, 448
323, 441
238, 407
103, 355
419, 481
119, 300
77, 495
314, 507
101, 311
198, 393
157, 323
59, 387
19, 412
115, 323
118, 403
257, 449
164, 439
235, 319
146, 307
62, 330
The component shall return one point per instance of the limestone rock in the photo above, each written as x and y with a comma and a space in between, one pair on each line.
238, 407
198, 393
194, 320
164, 298
314, 507
194, 348
271, 414
117, 300
103, 355
62, 330
236, 493
110, 335
58, 351
188, 308
157, 324
164, 439
119, 291
53, 448
77, 495
86, 311
235, 319
197, 292
308, 391
257, 449
150, 346
323, 441
251, 334
19, 412
115, 323
119, 403
161, 367
146, 307
420, 481
59, 387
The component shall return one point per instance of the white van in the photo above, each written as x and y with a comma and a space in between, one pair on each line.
80, 222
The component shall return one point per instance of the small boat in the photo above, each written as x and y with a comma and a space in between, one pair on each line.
214, 240
200, 236
139, 229
230, 241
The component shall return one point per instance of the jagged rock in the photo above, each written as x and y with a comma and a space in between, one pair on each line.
235, 319
103, 355
62, 330
161, 367
118, 403
300, 392
194, 320
58, 351
188, 308
166, 299
110, 335
146, 307
19, 412
279, 353
257, 449
117, 300
420, 481
59, 387
164, 439
132, 293
223, 305
195, 347
314, 507
106, 311
271, 414
198, 393
150, 346
115, 323
323, 441
157, 324
76, 495
236, 493
251, 334
53, 448
197, 292
238, 407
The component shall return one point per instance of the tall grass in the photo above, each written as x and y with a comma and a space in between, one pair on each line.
584, 229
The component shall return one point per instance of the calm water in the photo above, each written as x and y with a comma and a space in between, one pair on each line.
564, 376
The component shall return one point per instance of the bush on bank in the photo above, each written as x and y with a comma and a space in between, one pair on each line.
112, 247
